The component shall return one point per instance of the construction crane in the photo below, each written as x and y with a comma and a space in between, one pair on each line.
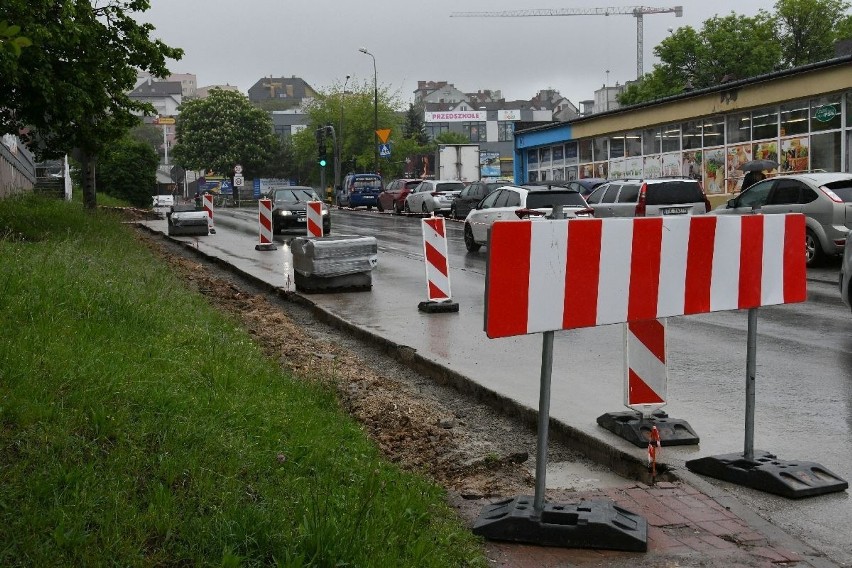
636, 11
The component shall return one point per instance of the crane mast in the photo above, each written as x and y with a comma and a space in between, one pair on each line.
637, 12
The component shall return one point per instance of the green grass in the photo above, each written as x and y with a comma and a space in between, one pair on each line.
139, 427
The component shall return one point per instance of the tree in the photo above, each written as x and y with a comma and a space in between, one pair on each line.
11, 39
415, 125
807, 29
128, 170
451, 138
150, 135
282, 161
221, 131
69, 89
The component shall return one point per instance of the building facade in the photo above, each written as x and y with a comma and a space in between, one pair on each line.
801, 118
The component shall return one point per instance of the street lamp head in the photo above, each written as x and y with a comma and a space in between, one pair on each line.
348, 77
363, 50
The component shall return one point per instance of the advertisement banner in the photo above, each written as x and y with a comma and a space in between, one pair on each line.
509, 115
456, 116
489, 164
264, 185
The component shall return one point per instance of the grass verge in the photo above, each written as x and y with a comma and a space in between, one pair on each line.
139, 426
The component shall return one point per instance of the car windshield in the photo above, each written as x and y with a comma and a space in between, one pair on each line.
412, 184
451, 186
843, 189
669, 192
295, 196
547, 199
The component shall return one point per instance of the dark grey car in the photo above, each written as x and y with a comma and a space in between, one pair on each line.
473, 194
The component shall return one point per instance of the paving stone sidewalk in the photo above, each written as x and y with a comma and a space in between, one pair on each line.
685, 528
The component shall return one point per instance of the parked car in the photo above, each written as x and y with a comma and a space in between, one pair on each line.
473, 194
393, 197
846, 274
586, 185
505, 202
824, 198
649, 198
289, 209
433, 195
359, 190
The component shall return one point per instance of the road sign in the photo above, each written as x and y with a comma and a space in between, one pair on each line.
384, 150
238, 169
163, 120
239, 180
383, 134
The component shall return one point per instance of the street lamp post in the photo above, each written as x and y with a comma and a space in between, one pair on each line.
338, 166
375, 110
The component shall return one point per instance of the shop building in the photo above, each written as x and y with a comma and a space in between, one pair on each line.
801, 118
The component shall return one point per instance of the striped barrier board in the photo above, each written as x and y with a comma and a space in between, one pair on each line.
208, 208
264, 207
646, 373
638, 269
314, 220
435, 253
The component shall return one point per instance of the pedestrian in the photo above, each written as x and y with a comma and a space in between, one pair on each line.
752, 178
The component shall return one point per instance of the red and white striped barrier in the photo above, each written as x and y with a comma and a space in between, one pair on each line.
619, 270
314, 220
208, 208
264, 216
435, 253
646, 373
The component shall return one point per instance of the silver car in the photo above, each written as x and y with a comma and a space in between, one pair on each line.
846, 274
649, 198
824, 198
433, 195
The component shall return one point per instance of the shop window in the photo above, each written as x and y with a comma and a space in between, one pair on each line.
544, 158
825, 113
533, 176
825, 152
616, 146
849, 108
671, 138
433, 129
505, 131
475, 131
532, 158
586, 150
599, 150
651, 141
691, 132
714, 131
764, 123
558, 155
633, 144
794, 118
571, 153
739, 127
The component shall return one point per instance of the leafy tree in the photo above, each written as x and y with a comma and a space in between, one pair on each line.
807, 29
11, 38
451, 138
69, 89
128, 170
282, 161
150, 135
221, 131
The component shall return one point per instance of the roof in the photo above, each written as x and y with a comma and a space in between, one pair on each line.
720, 88
157, 89
280, 88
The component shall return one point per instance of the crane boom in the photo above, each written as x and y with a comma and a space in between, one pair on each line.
636, 11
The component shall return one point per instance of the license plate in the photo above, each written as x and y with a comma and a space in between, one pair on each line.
675, 211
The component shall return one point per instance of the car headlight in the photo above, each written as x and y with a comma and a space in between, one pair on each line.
324, 212
283, 212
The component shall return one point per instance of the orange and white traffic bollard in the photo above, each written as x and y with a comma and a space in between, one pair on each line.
265, 221
208, 208
437, 267
314, 220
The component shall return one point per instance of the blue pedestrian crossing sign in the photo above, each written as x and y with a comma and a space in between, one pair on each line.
384, 150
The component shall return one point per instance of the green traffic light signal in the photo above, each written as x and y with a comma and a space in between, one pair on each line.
322, 162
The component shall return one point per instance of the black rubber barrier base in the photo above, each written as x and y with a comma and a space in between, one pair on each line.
631, 426
355, 282
432, 307
265, 246
590, 524
792, 479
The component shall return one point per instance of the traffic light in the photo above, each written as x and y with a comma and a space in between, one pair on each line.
321, 146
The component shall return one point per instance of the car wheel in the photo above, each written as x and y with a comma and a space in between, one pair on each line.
397, 208
407, 208
424, 209
453, 212
814, 255
471, 245
379, 207
369, 207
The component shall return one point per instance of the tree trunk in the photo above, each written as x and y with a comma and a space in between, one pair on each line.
87, 163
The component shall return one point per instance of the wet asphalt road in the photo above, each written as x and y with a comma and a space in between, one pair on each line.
804, 363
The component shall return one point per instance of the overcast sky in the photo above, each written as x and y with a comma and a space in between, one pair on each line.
237, 43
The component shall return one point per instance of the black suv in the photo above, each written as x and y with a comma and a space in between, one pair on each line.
649, 198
